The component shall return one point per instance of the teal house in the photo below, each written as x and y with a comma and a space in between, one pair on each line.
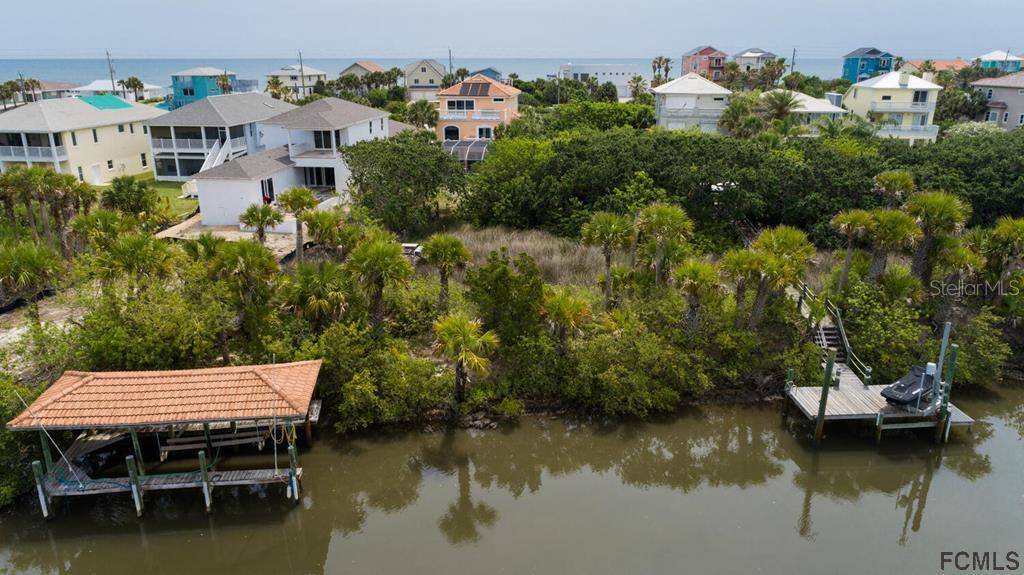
864, 63
1002, 61
195, 84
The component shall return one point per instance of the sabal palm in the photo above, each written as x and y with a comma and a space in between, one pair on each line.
260, 217
852, 225
610, 232
316, 292
26, 269
378, 263
637, 86
446, 253
9, 196
134, 255
203, 248
298, 201
894, 185
249, 270
461, 341
274, 87
224, 83
743, 267
663, 223
938, 213
891, 231
1006, 244
698, 280
780, 104
421, 113
564, 311
786, 252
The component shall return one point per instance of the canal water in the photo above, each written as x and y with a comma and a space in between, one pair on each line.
713, 490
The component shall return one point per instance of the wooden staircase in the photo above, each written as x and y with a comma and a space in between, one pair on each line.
828, 338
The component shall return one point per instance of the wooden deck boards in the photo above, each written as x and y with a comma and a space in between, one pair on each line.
66, 484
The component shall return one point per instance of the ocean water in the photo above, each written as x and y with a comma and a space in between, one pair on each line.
159, 71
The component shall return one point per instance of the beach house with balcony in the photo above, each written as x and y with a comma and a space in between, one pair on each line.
472, 109
618, 74
95, 138
1001, 60
308, 156
899, 104
207, 133
753, 59
1005, 97
299, 78
691, 101
864, 63
361, 68
706, 61
195, 84
423, 80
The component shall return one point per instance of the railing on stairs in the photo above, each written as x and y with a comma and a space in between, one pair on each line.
211, 157
859, 368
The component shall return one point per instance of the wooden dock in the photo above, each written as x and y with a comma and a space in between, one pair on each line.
852, 400
63, 482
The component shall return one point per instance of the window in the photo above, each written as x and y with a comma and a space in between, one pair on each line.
863, 64
415, 80
120, 128
145, 129
1020, 120
110, 164
74, 141
423, 68
988, 94
498, 100
252, 130
81, 176
382, 123
431, 81
886, 98
719, 98
143, 156
95, 136
485, 132
188, 91
267, 190
461, 104
1006, 117
293, 78
322, 140
920, 96
883, 63
371, 126
131, 128
993, 116
716, 75
451, 132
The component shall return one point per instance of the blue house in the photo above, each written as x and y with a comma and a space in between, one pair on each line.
492, 73
863, 63
1001, 61
194, 84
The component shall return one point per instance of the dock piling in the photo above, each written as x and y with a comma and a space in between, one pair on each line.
37, 470
293, 471
138, 454
133, 475
206, 480
47, 454
819, 427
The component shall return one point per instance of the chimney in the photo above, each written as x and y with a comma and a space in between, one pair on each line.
904, 78
929, 76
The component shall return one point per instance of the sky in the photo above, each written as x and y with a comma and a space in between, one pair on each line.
510, 29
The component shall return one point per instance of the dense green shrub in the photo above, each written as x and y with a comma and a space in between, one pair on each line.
508, 294
14, 447
393, 388
983, 350
885, 333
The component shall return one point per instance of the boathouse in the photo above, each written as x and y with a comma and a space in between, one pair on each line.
191, 413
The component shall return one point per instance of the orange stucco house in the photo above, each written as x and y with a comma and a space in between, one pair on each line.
472, 109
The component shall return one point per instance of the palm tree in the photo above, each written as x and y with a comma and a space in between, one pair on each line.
785, 252
445, 252
134, 255
853, 225
9, 196
248, 268
609, 231
325, 228
461, 341
298, 201
699, 281
666, 67
30, 86
275, 87
41, 182
462, 74
637, 86
743, 267
136, 85
894, 186
124, 88
565, 313
6, 93
224, 83
663, 223
203, 248
780, 104
260, 217
891, 231
938, 213
379, 263
316, 292
1007, 247
422, 114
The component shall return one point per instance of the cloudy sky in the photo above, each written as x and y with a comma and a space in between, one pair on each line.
516, 28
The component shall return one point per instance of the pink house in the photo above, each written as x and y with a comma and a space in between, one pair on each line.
706, 61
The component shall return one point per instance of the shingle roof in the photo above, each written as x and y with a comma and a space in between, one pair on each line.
50, 86
1008, 81
497, 88
691, 84
326, 114
867, 53
892, 80
396, 127
225, 110
252, 167
368, 65
437, 66
91, 400
203, 71
63, 114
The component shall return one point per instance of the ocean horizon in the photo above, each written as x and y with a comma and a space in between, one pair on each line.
158, 71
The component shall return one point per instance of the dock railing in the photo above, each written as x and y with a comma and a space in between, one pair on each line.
857, 365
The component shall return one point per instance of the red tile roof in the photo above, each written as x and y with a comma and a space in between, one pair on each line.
370, 65
91, 400
940, 65
497, 88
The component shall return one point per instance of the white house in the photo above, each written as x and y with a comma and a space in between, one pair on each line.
753, 59
811, 110
617, 74
691, 101
104, 86
299, 78
308, 157
206, 133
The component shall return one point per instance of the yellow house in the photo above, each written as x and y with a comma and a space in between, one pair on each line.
901, 105
96, 138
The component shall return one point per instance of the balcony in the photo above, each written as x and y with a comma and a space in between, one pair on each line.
245, 86
474, 115
183, 144
689, 112
29, 153
922, 107
908, 132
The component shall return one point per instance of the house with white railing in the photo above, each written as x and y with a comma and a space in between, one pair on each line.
205, 134
899, 104
688, 102
306, 153
474, 108
95, 138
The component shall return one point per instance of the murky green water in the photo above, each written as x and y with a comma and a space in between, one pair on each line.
718, 490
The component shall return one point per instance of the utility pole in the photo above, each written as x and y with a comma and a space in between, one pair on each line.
792, 61
302, 74
451, 65
110, 66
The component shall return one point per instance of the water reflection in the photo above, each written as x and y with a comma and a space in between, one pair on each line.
466, 483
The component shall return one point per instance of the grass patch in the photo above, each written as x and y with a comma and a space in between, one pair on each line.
179, 208
560, 261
